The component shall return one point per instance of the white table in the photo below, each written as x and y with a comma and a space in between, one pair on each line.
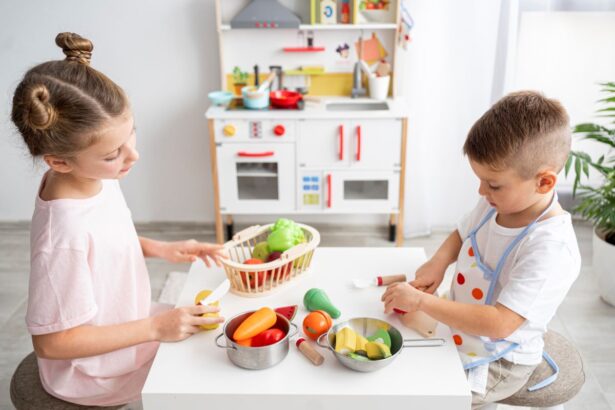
195, 374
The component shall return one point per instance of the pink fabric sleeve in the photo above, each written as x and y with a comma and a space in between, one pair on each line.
61, 293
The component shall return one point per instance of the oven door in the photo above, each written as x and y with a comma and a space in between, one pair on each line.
361, 191
256, 178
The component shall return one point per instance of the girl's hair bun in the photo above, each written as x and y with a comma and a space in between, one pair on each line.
41, 114
75, 47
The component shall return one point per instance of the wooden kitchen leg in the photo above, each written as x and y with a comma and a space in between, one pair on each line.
392, 228
214, 179
402, 182
230, 227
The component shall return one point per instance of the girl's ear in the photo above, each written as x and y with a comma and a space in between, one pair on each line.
58, 164
546, 181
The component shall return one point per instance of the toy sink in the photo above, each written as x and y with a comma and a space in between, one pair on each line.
357, 106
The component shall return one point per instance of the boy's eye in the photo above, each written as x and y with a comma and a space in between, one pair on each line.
494, 188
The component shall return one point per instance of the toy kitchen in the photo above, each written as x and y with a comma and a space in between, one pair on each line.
308, 119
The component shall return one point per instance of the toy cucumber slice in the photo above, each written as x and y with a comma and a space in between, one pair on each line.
381, 336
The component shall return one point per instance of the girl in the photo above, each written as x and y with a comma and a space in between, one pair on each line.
89, 292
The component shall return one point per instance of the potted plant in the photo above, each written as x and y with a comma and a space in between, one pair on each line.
597, 203
240, 80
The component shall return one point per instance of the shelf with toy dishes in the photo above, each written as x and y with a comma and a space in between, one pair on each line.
360, 26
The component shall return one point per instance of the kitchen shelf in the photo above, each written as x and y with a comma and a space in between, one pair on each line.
303, 49
366, 26
257, 174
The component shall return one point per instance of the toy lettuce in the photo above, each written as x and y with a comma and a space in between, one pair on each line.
284, 235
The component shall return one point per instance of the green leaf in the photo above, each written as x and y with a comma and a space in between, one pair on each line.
568, 164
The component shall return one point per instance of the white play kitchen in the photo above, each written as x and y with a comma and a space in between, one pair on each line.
308, 120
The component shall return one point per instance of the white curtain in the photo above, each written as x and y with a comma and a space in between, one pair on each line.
462, 59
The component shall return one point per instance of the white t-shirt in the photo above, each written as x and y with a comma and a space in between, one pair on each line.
536, 275
87, 268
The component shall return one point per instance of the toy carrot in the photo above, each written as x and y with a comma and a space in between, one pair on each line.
257, 322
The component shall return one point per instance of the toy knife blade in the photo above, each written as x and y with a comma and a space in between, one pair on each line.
218, 293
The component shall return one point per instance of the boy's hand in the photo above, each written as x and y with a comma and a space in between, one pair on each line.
188, 251
403, 296
428, 276
180, 323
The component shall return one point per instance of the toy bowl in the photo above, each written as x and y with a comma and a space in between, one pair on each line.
254, 99
366, 327
220, 97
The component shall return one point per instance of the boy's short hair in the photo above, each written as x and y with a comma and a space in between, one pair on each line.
524, 130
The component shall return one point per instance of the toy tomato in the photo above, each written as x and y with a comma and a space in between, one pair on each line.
316, 323
268, 337
254, 279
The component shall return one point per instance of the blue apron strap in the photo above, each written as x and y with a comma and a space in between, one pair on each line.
549, 379
490, 359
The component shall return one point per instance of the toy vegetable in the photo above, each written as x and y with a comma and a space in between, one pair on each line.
200, 296
316, 323
257, 322
284, 235
268, 337
317, 299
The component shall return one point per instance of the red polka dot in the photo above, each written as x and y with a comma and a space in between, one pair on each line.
461, 279
477, 293
458, 340
471, 252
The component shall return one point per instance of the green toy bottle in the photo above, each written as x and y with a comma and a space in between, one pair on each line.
317, 299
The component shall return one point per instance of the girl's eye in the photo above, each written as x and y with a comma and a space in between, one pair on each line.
494, 188
113, 158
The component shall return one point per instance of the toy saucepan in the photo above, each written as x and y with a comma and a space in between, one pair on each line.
285, 99
366, 327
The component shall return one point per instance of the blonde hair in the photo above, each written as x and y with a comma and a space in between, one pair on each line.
523, 130
59, 105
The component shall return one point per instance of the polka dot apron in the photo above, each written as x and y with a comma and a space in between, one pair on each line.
475, 283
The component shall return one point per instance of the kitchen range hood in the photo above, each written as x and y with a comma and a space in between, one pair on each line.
265, 14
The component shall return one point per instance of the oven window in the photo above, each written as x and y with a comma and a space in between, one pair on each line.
257, 180
362, 190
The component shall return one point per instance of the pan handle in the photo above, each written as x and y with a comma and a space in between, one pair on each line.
223, 347
318, 341
424, 342
295, 330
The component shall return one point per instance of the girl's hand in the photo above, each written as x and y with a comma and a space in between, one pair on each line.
403, 296
188, 251
181, 323
428, 276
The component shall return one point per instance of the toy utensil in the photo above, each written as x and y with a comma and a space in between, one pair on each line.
309, 352
217, 293
378, 281
267, 82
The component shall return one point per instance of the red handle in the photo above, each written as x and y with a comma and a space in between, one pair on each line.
341, 143
359, 143
329, 191
255, 154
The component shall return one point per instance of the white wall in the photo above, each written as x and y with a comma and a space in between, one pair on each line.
164, 54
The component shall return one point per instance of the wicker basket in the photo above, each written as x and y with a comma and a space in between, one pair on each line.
266, 278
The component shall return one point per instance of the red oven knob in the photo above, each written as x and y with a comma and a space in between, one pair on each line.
279, 130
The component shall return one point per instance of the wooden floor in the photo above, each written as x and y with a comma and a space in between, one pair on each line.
583, 317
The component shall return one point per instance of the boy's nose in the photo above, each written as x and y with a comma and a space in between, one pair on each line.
482, 191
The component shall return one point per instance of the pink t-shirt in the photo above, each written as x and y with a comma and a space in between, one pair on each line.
87, 268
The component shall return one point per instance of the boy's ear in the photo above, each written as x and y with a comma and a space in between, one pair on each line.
58, 164
546, 181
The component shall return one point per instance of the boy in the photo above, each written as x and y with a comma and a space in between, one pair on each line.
516, 252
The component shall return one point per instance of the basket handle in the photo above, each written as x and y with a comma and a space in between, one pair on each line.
247, 233
294, 252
